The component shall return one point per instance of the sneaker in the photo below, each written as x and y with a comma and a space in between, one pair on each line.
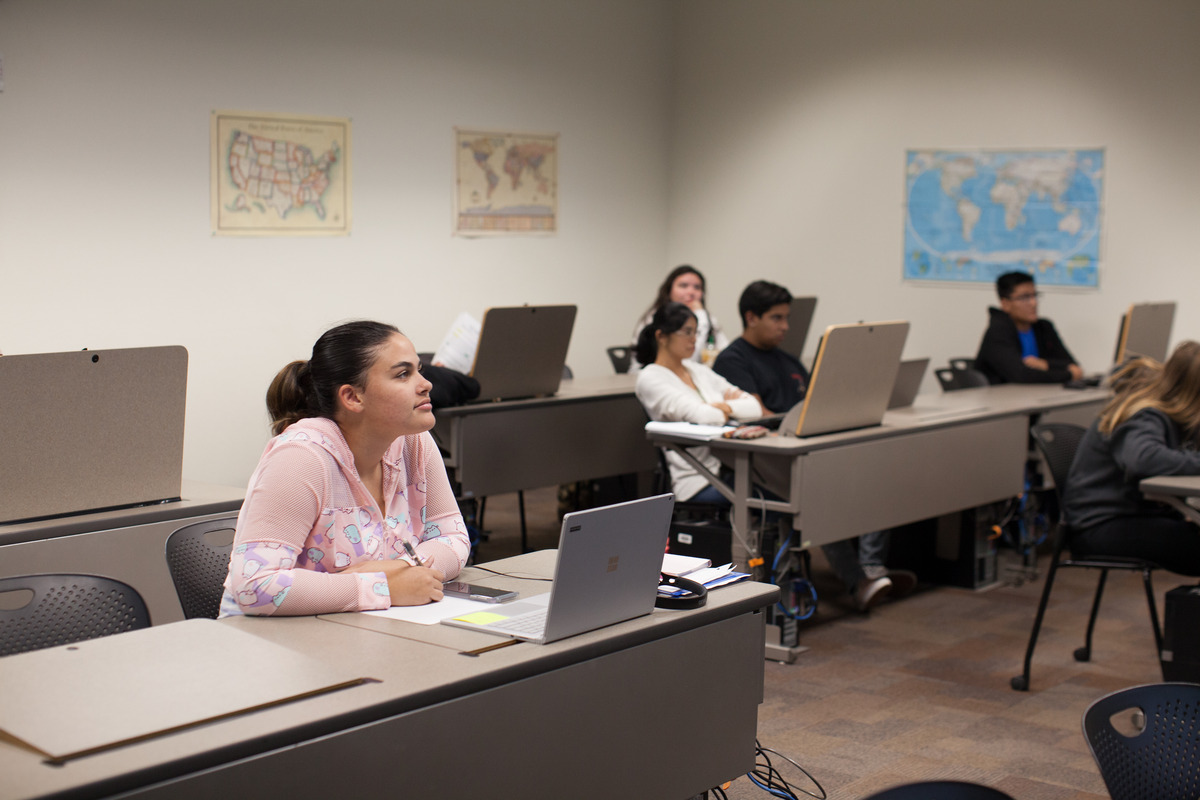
870, 591
903, 581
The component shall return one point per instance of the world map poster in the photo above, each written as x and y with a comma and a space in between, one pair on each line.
280, 175
506, 183
972, 215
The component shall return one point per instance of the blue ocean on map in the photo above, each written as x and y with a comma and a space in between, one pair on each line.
973, 215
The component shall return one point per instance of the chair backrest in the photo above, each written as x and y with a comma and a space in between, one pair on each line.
621, 358
198, 558
1153, 750
64, 609
940, 790
953, 378
962, 363
1057, 442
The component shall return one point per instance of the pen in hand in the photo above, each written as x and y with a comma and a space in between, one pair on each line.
412, 553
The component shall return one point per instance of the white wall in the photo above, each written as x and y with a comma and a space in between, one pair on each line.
104, 179
792, 118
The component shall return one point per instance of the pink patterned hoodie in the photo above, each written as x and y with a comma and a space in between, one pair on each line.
308, 516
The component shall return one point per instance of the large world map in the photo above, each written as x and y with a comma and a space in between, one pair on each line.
974, 214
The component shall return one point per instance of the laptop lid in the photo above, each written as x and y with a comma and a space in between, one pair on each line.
799, 321
1145, 331
908, 382
607, 570
90, 430
522, 351
852, 379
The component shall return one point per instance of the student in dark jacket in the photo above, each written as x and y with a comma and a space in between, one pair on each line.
1018, 346
1150, 427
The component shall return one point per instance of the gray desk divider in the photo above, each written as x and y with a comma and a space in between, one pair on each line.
89, 430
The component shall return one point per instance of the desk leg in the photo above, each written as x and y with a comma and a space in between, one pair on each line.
1189, 512
746, 543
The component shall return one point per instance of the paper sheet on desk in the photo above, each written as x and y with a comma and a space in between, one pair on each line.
711, 577
689, 430
457, 350
433, 613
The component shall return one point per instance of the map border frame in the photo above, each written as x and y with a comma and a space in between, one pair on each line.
456, 214
216, 166
972, 283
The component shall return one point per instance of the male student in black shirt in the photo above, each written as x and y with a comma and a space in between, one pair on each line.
1018, 346
754, 363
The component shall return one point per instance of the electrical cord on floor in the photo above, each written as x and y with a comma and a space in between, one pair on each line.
766, 777
799, 587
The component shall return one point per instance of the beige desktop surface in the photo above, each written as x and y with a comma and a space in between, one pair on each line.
171, 677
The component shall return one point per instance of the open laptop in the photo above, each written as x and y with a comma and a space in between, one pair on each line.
607, 572
1145, 331
522, 351
799, 321
852, 379
91, 430
908, 382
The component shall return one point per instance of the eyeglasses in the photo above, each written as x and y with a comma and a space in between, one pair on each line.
687, 333
1024, 298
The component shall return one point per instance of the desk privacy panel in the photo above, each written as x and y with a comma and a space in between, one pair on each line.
89, 430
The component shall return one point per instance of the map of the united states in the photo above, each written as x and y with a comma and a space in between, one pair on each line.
282, 174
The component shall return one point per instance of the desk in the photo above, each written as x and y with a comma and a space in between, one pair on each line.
126, 544
664, 706
591, 429
1175, 491
944, 453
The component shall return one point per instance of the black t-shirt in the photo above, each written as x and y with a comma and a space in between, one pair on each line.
776, 376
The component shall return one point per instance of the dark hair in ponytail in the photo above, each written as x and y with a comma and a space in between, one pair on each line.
667, 320
343, 355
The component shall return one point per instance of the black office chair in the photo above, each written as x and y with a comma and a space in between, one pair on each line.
940, 790
621, 358
953, 378
1057, 443
962, 363
198, 559
64, 609
1145, 741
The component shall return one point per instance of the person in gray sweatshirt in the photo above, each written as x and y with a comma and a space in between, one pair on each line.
1150, 427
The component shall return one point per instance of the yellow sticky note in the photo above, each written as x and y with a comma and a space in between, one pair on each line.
481, 617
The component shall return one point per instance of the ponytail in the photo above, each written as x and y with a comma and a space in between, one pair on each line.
288, 396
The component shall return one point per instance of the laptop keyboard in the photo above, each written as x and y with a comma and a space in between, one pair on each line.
529, 624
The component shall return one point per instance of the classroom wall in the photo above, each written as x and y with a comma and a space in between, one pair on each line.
105, 239
791, 121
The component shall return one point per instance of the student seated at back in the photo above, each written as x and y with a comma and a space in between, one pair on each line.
1150, 427
1018, 346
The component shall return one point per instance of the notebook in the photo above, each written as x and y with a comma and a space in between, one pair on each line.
852, 379
91, 430
908, 382
522, 351
607, 571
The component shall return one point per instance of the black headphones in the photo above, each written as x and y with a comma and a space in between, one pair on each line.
695, 594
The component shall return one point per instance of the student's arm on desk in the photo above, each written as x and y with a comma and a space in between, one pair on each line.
1139, 446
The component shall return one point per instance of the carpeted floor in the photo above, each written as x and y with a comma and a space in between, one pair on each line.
918, 689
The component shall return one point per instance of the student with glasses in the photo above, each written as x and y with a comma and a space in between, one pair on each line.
1018, 346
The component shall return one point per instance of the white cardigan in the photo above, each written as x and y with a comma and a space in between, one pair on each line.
666, 398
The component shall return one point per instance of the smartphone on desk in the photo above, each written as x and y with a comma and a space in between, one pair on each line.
471, 591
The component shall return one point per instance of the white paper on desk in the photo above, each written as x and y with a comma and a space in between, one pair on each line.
457, 350
433, 613
689, 430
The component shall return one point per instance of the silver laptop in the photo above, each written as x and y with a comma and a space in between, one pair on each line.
522, 351
799, 321
90, 429
607, 572
852, 379
908, 382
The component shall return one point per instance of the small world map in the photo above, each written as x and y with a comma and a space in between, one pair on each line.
972, 215
507, 183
